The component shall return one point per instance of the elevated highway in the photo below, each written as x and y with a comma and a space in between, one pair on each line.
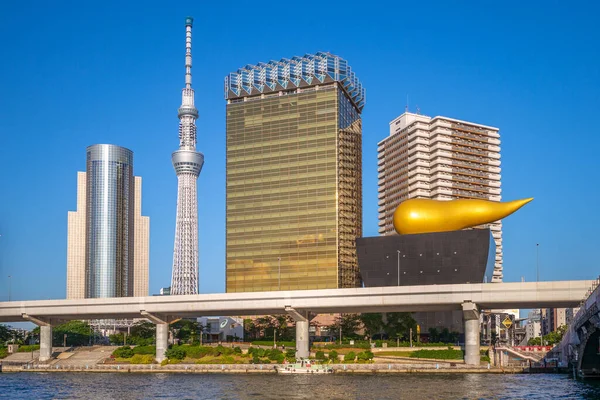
300, 304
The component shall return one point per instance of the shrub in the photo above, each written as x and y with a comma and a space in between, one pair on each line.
3, 352
255, 351
333, 356
123, 352
349, 357
255, 360
227, 360
200, 351
320, 355
274, 354
144, 350
164, 362
290, 355
175, 353
237, 350
364, 356
280, 358
224, 351
142, 359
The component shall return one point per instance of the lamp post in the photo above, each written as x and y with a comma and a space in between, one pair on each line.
537, 261
279, 268
398, 251
537, 273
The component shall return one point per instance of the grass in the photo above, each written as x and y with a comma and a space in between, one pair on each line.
222, 360
393, 353
28, 348
448, 354
270, 343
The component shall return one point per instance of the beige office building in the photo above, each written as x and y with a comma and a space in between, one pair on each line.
108, 238
438, 158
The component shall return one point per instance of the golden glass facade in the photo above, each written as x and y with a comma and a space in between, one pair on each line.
294, 190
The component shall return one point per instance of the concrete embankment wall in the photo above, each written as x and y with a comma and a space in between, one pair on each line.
258, 368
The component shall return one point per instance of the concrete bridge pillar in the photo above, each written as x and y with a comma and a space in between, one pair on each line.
162, 341
472, 326
45, 335
45, 343
162, 332
302, 324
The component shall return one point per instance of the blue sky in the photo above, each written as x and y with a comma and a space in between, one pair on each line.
74, 74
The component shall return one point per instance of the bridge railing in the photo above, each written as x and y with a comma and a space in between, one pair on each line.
582, 314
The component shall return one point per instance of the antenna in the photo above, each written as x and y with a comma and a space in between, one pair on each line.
406, 107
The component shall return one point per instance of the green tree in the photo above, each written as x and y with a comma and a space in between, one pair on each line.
6, 334
78, 333
550, 339
398, 324
188, 331
349, 324
143, 330
373, 323
434, 335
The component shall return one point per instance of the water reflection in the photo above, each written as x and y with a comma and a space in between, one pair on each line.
128, 386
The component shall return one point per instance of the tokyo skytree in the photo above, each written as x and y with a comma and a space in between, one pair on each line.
188, 164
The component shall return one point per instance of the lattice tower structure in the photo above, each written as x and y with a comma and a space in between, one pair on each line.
188, 164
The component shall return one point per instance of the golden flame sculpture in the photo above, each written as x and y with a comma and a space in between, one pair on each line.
426, 216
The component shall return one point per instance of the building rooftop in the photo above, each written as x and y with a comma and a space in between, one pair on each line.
296, 72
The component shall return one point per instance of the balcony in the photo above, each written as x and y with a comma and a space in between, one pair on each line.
470, 179
439, 169
472, 166
418, 157
441, 146
420, 192
419, 140
470, 150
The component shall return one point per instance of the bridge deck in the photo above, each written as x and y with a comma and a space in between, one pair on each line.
379, 299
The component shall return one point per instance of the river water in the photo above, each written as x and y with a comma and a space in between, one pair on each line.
240, 386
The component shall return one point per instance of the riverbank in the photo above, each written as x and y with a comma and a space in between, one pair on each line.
265, 368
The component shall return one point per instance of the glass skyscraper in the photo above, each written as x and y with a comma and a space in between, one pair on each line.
294, 184
108, 237
109, 224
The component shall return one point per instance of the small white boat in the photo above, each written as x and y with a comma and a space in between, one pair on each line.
303, 367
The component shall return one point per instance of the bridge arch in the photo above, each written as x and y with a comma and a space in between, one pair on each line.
589, 353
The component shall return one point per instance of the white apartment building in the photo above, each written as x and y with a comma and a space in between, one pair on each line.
533, 328
439, 158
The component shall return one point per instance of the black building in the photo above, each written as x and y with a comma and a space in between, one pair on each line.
440, 258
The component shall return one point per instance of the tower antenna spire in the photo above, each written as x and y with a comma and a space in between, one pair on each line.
189, 22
